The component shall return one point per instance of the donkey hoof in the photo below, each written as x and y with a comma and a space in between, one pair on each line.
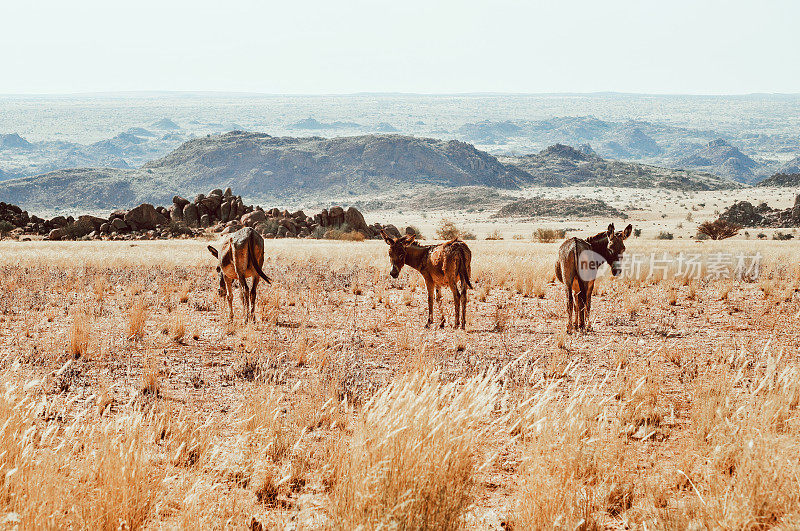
428, 324
441, 325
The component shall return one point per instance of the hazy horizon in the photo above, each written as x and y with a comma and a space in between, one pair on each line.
416, 47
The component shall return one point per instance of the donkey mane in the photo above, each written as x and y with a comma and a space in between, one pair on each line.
597, 238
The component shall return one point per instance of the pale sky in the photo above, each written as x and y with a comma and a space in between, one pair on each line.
423, 46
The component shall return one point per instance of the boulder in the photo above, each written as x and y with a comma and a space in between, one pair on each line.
205, 221
190, 215
355, 220
176, 212
391, 230
254, 218
56, 234
215, 191
105, 228
144, 216
336, 216
180, 201
228, 192
225, 211
58, 221
118, 224
91, 222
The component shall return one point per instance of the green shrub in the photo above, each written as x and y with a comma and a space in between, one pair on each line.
664, 235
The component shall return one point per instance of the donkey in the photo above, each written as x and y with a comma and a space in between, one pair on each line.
241, 257
577, 265
446, 264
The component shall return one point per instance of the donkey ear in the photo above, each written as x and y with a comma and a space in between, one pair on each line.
386, 237
610, 229
213, 251
408, 238
627, 231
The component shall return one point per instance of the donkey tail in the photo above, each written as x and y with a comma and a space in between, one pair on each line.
251, 253
463, 271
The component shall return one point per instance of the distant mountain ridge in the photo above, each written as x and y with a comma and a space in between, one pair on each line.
264, 168
562, 165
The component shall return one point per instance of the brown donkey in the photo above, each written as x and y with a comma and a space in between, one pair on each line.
446, 264
241, 257
577, 265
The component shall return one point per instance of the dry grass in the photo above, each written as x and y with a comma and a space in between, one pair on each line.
410, 462
137, 318
338, 409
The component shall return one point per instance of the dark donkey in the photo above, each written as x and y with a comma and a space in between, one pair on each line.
577, 269
446, 264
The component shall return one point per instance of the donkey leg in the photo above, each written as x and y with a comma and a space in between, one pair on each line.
253, 299
581, 325
439, 303
457, 303
463, 306
589, 306
243, 291
570, 304
229, 296
429, 285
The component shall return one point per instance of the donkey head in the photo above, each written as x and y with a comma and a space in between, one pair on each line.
616, 247
397, 251
222, 289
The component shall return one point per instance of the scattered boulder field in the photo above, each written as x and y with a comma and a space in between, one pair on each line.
218, 212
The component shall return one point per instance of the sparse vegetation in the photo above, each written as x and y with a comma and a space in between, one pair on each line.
543, 235
447, 230
719, 229
338, 394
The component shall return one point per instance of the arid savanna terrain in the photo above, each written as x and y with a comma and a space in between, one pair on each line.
130, 400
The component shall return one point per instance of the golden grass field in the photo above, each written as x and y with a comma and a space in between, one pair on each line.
130, 401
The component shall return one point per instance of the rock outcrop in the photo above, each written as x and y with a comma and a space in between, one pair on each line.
218, 212
746, 214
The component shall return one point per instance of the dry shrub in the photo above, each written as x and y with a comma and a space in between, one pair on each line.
177, 328
447, 230
79, 335
410, 463
348, 236
719, 229
137, 318
543, 235
183, 293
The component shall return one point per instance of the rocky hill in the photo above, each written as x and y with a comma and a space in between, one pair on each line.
725, 154
575, 207
264, 167
746, 214
724, 159
782, 180
561, 165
